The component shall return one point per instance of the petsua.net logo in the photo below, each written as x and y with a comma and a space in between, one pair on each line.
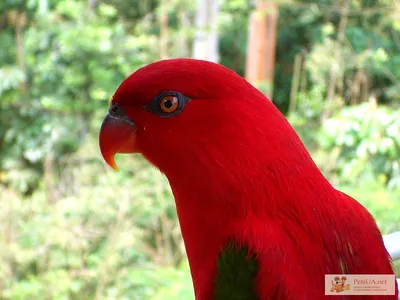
339, 284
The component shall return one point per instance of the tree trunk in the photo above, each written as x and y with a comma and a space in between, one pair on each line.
184, 24
335, 72
18, 20
295, 82
164, 29
260, 61
205, 44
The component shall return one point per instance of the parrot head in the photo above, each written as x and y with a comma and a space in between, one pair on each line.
180, 113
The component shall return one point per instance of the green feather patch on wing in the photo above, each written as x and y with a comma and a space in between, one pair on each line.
237, 270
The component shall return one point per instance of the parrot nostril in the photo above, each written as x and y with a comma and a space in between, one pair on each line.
114, 109
117, 112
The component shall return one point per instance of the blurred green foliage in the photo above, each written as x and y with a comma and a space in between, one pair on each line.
366, 139
72, 229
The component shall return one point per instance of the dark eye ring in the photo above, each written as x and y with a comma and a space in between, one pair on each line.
168, 104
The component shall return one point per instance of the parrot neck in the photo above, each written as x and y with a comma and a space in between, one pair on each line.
251, 172
214, 206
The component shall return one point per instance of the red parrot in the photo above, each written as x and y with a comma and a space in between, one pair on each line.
258, 218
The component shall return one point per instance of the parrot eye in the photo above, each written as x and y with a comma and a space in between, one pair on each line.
168, 104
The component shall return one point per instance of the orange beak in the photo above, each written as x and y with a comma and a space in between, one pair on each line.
117, 135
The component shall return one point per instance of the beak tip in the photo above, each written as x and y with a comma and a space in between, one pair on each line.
111, 162
114, 167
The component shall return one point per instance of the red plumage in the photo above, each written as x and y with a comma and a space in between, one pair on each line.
238, 169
